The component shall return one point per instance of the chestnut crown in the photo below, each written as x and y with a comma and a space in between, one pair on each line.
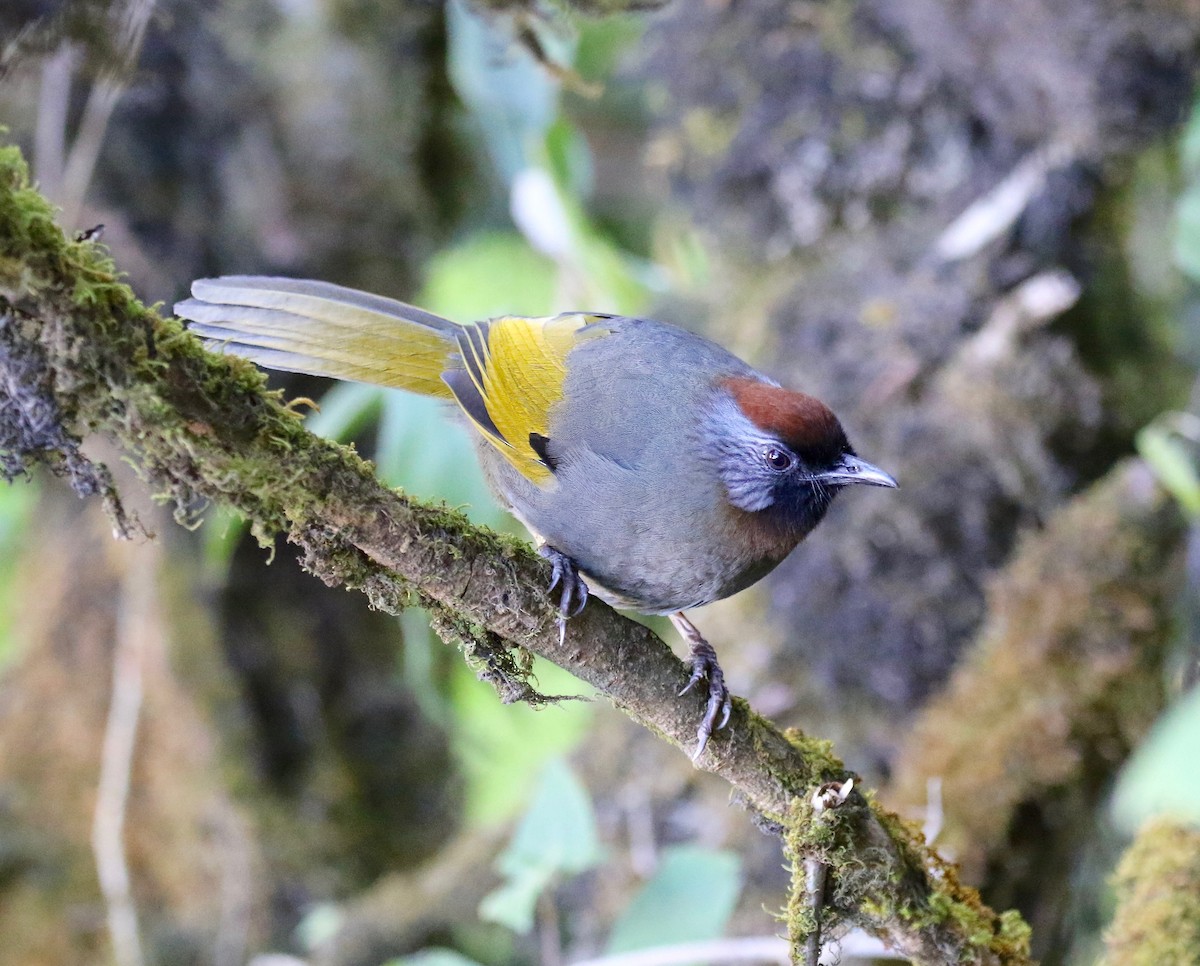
783, 453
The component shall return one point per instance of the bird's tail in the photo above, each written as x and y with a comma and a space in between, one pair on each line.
300, 325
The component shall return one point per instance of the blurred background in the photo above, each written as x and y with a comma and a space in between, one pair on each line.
972, 228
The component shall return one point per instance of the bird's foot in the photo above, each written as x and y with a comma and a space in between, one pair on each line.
574, 591
705, 665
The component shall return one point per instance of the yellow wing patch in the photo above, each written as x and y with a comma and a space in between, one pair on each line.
517, 367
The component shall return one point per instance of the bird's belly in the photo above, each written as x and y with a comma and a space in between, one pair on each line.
650, 582
697, 588
637, 550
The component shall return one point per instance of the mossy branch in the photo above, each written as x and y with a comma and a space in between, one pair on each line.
1064, 680
81, 356
1158, 898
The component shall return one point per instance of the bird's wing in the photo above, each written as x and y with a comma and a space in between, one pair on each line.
512, 375
506, 374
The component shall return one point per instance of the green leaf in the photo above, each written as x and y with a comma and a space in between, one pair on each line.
422, 447
513, 904
502, 748
433, 957
17, 501
345, 409
1187, 233
558, 831
511, 96
220, 536
1169, 457
422, 667
556, 836
689, 899
490, 274
425, 448
1161, 778
569, 159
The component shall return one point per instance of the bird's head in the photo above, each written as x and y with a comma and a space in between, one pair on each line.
782, 454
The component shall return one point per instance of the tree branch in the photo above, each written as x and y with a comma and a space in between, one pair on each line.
80, 356
138, 623
1065, 678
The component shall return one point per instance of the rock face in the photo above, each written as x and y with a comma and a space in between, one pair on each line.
926, 191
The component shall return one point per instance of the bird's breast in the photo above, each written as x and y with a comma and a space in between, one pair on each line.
644, 545
634, 499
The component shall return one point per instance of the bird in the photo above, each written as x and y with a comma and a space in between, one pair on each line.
654, 469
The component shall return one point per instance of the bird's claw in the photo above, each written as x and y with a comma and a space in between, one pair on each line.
705, 665
574, 592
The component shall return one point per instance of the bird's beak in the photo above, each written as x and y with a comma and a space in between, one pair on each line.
851, 469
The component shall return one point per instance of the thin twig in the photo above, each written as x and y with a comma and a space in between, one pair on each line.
233, 923
135, 623
81, 163
549, 929
827, 797
754, 949
50, 133
815, 874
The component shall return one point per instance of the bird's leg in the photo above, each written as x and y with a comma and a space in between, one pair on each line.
704, 665
574, 591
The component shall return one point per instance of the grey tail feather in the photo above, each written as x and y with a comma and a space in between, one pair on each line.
240, 289
302, 325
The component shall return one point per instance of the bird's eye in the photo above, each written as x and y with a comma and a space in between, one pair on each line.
777, 459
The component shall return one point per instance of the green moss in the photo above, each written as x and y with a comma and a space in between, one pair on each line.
818, 752
1064, 679
1005, 937
507, 669
922, 891
204, 427
1158, 891
806, 839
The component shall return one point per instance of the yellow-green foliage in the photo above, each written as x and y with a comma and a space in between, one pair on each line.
1158, 890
